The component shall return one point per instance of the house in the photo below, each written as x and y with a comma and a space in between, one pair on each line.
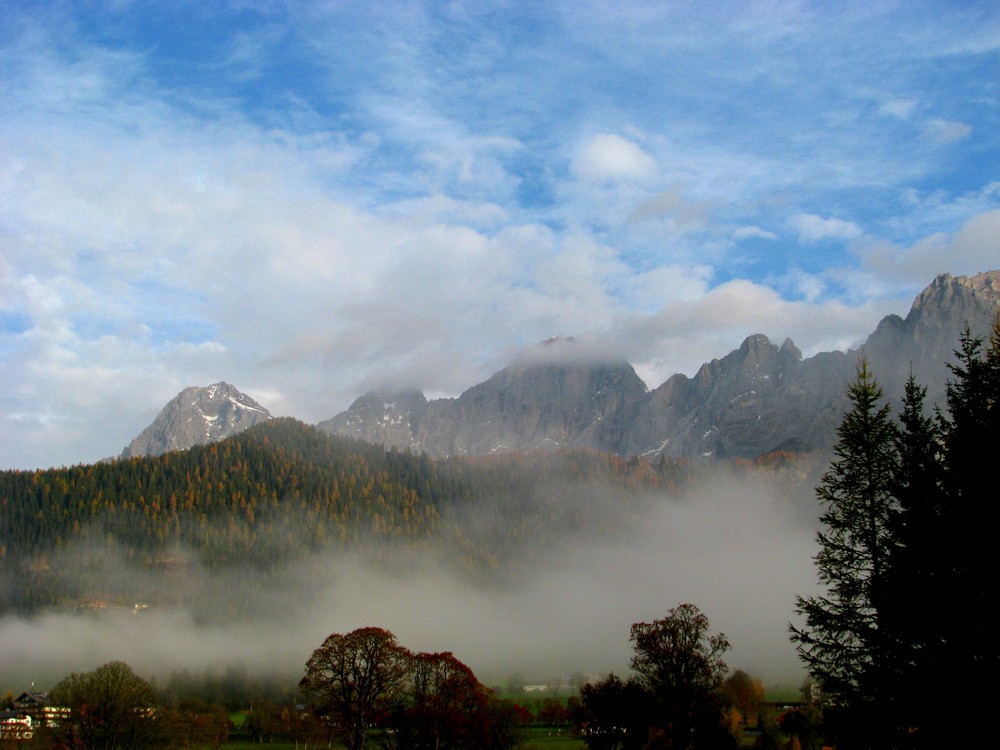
31, 701
31, 711
16, 725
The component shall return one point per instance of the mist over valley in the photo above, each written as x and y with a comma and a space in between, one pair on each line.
557, 601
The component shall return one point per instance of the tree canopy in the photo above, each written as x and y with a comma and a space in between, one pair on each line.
424, 701
110, 708
354, 676
679, 662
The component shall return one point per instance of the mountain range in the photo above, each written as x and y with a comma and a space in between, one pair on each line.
758, 399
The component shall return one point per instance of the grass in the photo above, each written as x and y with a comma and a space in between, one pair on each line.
534, 743
541, 740
538, 739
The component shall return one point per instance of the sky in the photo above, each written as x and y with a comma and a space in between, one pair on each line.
309, 200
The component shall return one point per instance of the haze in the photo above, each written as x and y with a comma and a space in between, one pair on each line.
739, 549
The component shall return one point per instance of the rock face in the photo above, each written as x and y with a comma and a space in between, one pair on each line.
378, 417
755, 400
522, 407
196, 416
758, 399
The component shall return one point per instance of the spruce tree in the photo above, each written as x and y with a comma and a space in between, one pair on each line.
844, 641
917, 569
965, 655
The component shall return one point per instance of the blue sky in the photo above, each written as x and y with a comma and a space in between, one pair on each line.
308, 200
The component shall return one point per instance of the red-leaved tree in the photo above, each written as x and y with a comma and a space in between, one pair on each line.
354, 677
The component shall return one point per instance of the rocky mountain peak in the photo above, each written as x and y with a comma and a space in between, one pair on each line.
947, 290
757, 349
195, 416
387, 417
789, 352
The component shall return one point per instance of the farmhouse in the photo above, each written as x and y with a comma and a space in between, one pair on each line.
15, 725
31, 710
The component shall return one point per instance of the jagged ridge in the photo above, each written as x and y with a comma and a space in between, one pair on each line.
758, 399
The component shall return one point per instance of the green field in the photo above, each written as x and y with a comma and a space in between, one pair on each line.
538, 740
541, 740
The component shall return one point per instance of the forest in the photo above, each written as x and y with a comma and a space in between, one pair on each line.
281, 491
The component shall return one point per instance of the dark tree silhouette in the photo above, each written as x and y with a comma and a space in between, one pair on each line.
680, 664
445, 707
615, 714
353, 677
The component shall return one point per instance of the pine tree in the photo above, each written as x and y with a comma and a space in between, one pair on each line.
965, 652
917, 568
844, 640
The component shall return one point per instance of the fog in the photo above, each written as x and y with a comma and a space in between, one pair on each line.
739, 548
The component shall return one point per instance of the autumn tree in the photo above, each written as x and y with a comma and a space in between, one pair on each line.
110, 708
679, 662
354, 676
743, 692
444, 706
263, 721
507, 722
552, 712
195, 724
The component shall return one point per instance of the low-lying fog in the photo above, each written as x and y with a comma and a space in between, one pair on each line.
738, 549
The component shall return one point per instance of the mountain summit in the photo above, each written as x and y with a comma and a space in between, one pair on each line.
196, 416
758, 399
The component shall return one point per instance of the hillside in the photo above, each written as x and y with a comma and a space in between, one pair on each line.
276, 494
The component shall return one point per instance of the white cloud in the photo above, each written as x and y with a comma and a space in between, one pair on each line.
812, 228
686, 333
651, 289
672, 205
901, 108
609, 157
443, 208
801, 285
974, 248
946, 131
743, 233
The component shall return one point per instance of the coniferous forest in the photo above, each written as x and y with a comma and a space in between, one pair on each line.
282, 491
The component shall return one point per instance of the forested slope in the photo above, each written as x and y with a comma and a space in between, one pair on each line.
280, 492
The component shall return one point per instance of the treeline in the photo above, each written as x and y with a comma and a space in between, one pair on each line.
283, 490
